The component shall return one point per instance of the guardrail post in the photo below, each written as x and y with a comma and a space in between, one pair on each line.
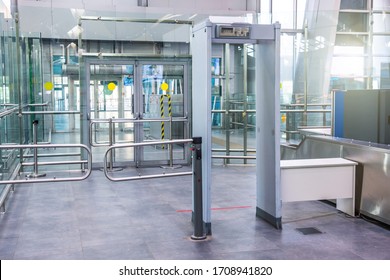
110, 136
111, 140
35, 173
170, 146
197, 189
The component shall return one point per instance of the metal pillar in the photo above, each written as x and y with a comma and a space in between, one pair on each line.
197, 191
111, 140
72, 104
269, 204
121, 104
227, 102
35, 173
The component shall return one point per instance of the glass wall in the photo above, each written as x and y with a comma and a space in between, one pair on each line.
10, 124
344, 45
314, 63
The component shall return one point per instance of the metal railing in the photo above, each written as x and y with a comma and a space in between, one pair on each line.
196, 172
86, 164
290, 111
35, 177
132, 145
112, 139
294, 110
7, 112
7, 189
113, 121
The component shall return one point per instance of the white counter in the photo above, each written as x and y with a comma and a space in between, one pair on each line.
318, 179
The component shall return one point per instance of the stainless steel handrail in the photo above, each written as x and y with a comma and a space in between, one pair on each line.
305, 111
227, 111
124, 120
8, 112
281, 111
86, 171
39, 104
133, 120
302, 104
7, 189
233, 157
109, 150
50, 112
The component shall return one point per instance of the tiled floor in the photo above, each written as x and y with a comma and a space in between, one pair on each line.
100, 219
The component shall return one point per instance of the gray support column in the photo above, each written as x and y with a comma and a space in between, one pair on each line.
72, 104
197, 190
121, 106
201, 104
226, 116
269, 202
245, 113
96, 99
85, 106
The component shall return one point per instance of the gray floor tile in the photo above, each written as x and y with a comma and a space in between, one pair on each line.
119, 251
151, 219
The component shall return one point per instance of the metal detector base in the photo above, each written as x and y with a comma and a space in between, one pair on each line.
203, 237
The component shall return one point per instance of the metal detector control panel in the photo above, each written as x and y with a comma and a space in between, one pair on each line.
233, 31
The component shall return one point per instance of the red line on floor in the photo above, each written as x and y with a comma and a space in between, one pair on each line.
217, 209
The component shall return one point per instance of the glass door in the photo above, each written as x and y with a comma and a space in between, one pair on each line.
164, 106
112, 106
139, 101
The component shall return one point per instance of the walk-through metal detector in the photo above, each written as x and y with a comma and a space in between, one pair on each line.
265, 82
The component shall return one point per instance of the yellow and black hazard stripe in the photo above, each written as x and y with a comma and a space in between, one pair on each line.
169, 105
162, 116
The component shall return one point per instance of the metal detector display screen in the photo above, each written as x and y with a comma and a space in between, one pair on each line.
229, 31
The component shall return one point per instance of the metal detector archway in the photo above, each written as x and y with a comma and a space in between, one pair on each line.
265, 40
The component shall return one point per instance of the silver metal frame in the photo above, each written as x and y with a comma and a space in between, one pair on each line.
117, 179
85, 78
8, 112
7, 189
124, 120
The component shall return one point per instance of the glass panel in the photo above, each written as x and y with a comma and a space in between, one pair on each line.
353, 4
352, 22
351, 40
233, 102
350, 61
288, 53
381, 45
381, 5
301, 7
283, 12
163, 96
112, 97
381, 73
381, 22
9, 99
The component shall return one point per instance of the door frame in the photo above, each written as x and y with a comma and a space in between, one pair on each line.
137, 61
